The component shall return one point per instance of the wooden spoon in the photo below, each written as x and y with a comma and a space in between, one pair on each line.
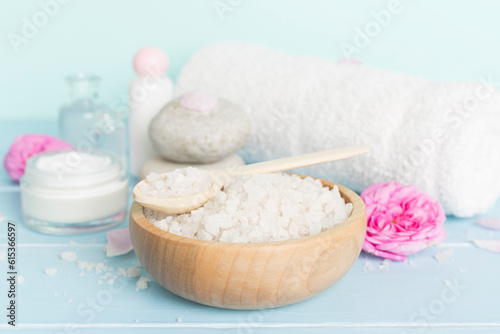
179, 205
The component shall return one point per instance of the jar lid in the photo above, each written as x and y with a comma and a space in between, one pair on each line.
72, 168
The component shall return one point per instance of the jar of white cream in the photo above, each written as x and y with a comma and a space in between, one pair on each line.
71, 192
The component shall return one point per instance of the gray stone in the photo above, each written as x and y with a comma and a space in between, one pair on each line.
189, 136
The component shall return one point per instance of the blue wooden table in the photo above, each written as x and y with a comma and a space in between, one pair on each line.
458, 295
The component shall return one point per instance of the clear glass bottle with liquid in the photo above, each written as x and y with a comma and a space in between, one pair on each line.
85, 123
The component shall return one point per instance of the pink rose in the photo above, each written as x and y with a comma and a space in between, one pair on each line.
26, 146
402, 220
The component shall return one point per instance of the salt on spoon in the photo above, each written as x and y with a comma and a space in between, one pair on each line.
179, 205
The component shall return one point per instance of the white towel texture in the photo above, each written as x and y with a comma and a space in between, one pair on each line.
443, 137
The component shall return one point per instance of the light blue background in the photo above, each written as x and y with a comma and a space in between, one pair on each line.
442, 40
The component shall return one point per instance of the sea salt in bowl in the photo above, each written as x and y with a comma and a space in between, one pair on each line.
250, 275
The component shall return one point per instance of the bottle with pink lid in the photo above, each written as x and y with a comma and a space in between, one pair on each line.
150, 91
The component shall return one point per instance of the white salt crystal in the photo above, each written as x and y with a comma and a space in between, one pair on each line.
409, 262
121, 272
179, 319
142, 283
178, 183
133, 272
20, 279
110, 281
368, 265
85, 265
260, 208
50, 271
100, 267
444, 256
68, 256
108, 276
385, 265
69, 301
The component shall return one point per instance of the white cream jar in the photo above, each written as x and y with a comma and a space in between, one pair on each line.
70, 192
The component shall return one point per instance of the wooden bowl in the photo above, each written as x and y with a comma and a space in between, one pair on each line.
250, 276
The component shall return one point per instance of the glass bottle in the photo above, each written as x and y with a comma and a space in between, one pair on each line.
85, 123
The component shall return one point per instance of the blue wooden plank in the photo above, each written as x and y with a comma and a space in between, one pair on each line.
397, 295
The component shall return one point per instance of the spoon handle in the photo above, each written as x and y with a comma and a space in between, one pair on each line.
302, 160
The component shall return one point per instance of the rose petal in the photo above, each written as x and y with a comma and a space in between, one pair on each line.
491, 223
367, 247
406, 248
119, 242
489, 245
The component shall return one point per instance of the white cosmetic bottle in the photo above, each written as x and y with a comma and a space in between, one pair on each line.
150, 91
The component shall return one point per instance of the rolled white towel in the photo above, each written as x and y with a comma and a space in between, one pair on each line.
443, 137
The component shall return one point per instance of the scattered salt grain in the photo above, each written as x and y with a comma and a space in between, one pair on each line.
444, 256
447, 283
133, 272
69, 301
179, 319
120, 271
385, 265
108, 276
178, 183
409, 262
142, 283
99, 282
462, 270
260, 208
100, 267
68, 256
50, 271
83, 265
20, 279
110, 281
72, 243
367, 264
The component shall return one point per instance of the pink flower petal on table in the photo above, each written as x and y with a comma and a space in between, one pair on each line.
489, 245
119, 242
491, 223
